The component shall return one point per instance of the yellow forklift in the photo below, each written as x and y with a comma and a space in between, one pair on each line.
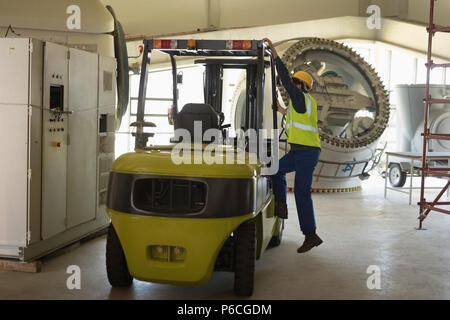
177, 223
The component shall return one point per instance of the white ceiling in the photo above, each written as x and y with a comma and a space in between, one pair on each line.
171, 16
156, 17
159, 16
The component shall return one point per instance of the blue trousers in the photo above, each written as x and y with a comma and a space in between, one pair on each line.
303, 162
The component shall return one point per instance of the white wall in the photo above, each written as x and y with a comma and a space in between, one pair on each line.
409, 36
47, 20
418, 10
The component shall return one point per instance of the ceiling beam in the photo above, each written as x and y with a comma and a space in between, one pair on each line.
213, 14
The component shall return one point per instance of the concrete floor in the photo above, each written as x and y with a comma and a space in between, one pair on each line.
359, 229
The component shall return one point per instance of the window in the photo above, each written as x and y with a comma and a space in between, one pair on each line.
169, 195
421, 71
365, 50
364, 53
234, 80
191, 90
437, 75
402, 68
159, 99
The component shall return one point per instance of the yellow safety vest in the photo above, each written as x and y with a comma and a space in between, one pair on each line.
301, 128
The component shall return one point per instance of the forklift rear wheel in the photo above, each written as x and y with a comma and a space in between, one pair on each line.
397, 178
276, 239
245, 254
116, 264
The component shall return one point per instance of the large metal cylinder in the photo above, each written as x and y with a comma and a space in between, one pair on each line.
353, 110
410, 117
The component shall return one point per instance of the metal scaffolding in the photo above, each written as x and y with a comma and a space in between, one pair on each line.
425, 206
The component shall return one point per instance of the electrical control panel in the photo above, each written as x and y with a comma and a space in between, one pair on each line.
55, 140
59, 137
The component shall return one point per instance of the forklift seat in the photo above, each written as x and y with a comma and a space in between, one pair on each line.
202, 112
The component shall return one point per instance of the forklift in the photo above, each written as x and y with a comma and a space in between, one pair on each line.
177, 223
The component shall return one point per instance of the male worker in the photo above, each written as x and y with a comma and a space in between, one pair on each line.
303, 137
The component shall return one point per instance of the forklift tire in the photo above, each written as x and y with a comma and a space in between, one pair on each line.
397, 178
116, 264
245, 254
276, 239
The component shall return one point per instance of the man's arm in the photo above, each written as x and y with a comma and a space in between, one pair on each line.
296, 95
280, 108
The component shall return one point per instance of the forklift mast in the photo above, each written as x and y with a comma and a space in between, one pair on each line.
232, 55
213, 85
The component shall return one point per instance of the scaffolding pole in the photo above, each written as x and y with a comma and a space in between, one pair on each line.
427, 207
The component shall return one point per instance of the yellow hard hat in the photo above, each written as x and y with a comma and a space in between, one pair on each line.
305, 77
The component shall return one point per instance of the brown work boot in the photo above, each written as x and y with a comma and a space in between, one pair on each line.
281, 210
311, 241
